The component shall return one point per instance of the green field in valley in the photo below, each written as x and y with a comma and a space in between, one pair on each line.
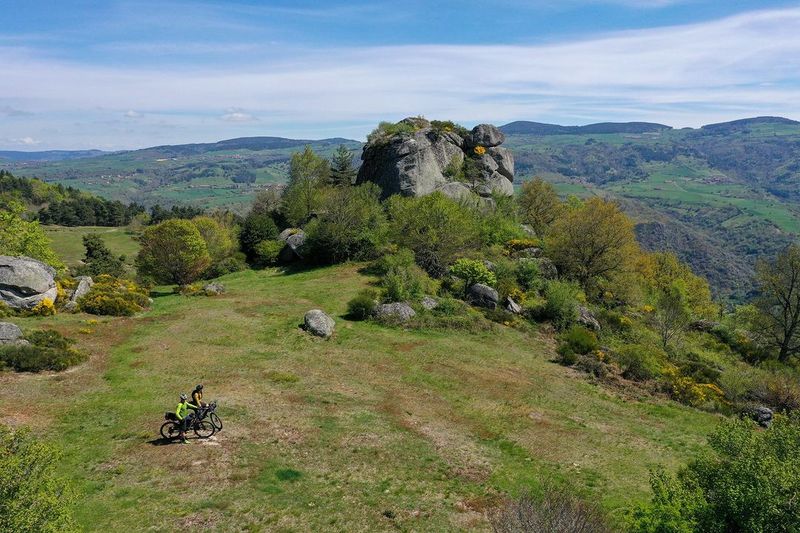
67, 242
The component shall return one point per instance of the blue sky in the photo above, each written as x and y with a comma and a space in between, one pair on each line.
120, 74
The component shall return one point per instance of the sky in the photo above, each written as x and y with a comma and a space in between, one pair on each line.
119, 74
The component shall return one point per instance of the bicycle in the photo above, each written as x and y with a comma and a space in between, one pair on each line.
171, 429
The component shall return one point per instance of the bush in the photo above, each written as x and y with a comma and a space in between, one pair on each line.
363, 305
174, 251
33, 498
48, 350
44, 308
779, 390
268, 253
115, 297
561, 303
557, 511
517, 245
472, 272
580, 340
98, 259
528, 275
749, 482
639, 362
257, 227
401, 277
688, 391
229, 265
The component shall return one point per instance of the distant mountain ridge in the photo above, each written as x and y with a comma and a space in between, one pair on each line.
48, 155
524, 127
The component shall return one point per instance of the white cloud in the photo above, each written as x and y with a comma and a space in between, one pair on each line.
682, 75
25, 141
132, 114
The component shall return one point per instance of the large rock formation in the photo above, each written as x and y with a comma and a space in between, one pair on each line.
427, 159
24, 282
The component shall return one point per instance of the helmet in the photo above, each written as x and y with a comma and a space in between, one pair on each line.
183, 397
199, 387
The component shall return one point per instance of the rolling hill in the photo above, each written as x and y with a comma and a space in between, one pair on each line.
719, 196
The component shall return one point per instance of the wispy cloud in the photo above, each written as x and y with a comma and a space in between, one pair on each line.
684, 75
8, 111
132, 114
25, 141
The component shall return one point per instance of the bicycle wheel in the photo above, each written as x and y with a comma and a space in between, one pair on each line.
204, 429
216, 421
169, 430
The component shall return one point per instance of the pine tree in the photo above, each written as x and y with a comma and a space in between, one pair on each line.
342, 170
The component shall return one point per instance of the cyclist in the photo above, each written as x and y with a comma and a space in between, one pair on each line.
197, 396
184, 416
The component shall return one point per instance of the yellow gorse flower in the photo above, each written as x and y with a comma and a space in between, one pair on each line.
480, 150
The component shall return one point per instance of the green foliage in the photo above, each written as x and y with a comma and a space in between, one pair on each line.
115, 297
498, 227
20, 237
639, 362
343, 172
351, 225
48, 350
229, 265
405, 284
672, 312
448, 126
174, 251
473, 271
98, 259
308, 175
220, 240
387, 130
454, 171
362, 306
539, 205
436, 228
779, 303
528, 275
561, 303
257, 227
580, 340
268, 252
749, 482
33, 498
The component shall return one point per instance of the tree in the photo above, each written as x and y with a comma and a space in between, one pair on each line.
32, 497
592, 243
672, 312
539, 205
20, 237
98, 259
779, 302
219, 239
267, 201
308, 174
436, 228
173, 252
351, 225
257, 227
750, 482
343, 172
660, 270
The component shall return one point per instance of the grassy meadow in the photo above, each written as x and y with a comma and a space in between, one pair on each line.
67, 242
376, 429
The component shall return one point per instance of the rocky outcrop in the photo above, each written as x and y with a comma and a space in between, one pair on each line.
24, 282
293, 251
429, 302
482, 295
587, 319
9, 333
84, 286
397, 311
430, 159
513, 307
318, 323
214, 288
762, 415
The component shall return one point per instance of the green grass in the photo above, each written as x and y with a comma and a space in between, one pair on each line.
68, 242
377, 429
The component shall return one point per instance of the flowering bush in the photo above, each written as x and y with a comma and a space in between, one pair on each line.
44, 308
479, 150
688, 391
113, 296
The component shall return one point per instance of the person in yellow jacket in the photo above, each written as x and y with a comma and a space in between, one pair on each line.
184, 416
197, 396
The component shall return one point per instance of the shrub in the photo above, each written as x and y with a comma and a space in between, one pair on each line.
498, 228
566, 355
32, 496
779, 390
116, 297
528, 275
472, 272
561, 303
48, 350
229, 265
98, 259
173, 252
519, 244
362, 306
639, 362
686, 390
220, 239
44, 308
556, 511
387, 130
580, 340
749, 482
257, 227
405, 284
268, 252
5, 310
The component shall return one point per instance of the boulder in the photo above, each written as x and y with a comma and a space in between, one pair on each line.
24, 282
504, 161
9, 333
399, 311
293, 250
547, 268
762, 415
429, 302
416, 163
704, 325
214, 289
482, 295
84, 286
531, 252
489, 265
586, 318
485, 135
318, 323
288, 232
513, 307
